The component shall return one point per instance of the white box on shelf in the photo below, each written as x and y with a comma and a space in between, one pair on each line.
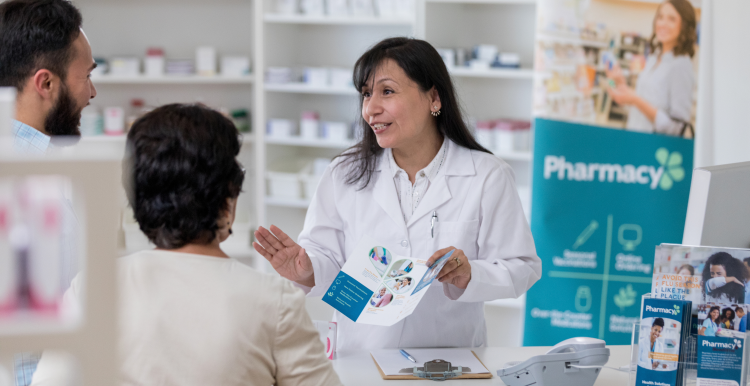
485, 134
479, 65
125, 66
485, 52
235, 65
386, 8
312, 7
337, 7
154, 65
316, 76
309, 128
335, 131
280, 128
286, 6
284, 185
504, 140
340, 77
449, 57
114, 121
362, 8
509, 59
279, 75
205, 61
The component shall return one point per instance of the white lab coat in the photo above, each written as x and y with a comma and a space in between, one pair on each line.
644, 348
478, 210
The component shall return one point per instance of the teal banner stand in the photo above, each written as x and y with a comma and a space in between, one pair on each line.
602, 200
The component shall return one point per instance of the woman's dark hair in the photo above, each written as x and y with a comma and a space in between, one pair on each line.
36, 34
688, 35
179, 171
733, 267
724, 314
658, 322
422, 64
712, 310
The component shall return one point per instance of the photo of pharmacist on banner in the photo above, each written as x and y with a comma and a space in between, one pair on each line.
722, 320
658, 336
722, 274
628, 65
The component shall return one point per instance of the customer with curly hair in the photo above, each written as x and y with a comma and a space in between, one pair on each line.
724, 279
189, 315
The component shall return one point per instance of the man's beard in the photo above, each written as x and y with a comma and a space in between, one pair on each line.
63, 120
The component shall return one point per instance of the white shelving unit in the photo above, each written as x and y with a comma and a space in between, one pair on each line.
302, 88
335, 20
172, 79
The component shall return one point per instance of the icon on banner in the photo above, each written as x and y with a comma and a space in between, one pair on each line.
330, 294
630, 244
626, 297
587, 232
583, 299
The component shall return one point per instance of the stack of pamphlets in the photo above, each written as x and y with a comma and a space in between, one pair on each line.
665, 326
717, 283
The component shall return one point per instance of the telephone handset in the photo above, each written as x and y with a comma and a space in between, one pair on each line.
561, 365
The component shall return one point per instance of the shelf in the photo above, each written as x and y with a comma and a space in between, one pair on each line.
515, 155
172, 79
529, 2
499, 73
246, 138
305, 142
288, 202
334, 20
303, 88
576, 41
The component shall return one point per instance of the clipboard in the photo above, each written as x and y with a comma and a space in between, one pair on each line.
411, 377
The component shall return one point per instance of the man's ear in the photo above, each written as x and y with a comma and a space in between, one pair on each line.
45, 84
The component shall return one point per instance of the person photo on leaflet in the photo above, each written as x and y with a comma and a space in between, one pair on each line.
724, 279
727, 318
710, 326
650, 344
416, 157
662, 101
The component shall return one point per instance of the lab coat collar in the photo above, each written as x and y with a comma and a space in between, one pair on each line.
458, 162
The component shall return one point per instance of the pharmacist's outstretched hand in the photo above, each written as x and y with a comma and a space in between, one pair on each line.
285, 256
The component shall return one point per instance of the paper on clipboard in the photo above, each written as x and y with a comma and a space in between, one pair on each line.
378, 287
391, 361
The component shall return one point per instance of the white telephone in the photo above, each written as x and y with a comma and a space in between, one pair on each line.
566, 364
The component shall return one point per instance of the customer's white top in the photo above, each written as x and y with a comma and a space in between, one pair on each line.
190, 319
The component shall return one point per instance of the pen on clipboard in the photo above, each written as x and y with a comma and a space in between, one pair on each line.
407, 356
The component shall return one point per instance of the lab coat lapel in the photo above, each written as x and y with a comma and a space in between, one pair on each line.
436, 195
384, 193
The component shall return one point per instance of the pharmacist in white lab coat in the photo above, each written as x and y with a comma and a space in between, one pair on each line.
417, 165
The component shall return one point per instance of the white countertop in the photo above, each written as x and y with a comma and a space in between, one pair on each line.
357, 368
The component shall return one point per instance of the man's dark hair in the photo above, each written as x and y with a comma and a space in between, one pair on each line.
658, 322
34, 35
179, 171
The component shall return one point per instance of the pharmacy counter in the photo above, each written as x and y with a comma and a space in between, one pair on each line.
357, 368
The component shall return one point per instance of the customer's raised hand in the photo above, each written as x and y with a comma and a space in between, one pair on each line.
286, 257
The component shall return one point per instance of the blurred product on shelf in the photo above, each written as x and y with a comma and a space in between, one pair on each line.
334, 131
280, 128
180, 67
205, 61
101, 67
31, 232
279, 75
154, 62
298, 179
337, 7
309, 125
504, 135
137, 109
92, 121
241, 119
316, 76
114, 121
340, 77
235, 65
480, 58
362, 8
125, 66
286, 6
312, 7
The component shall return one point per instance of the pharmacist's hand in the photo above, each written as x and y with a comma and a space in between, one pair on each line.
286, 256
454, 272
616, 74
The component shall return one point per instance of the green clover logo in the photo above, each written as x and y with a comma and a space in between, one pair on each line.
676, 309
673, 171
